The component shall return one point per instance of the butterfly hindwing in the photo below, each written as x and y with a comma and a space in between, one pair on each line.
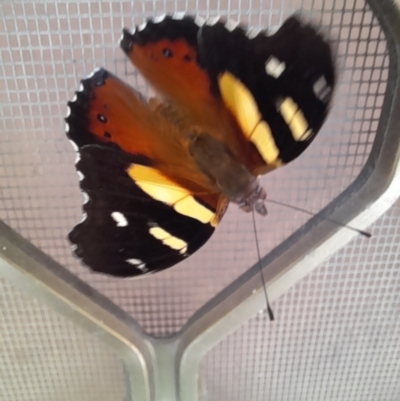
125, 231
138, 219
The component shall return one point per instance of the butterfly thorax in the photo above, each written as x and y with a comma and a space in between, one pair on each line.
225, 173
223, 169
231, 177
169, 112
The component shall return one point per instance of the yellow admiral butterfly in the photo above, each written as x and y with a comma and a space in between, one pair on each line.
157, 175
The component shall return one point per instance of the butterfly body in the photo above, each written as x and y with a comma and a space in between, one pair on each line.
157, 174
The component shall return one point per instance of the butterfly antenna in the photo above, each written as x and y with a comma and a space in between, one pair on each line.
270, 313
299, 209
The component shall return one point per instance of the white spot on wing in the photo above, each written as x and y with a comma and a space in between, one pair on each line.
74, 145
85, 197
321, 89
231, 25
142, 26
81, 88
139, 264
253, 32
68, 112
74, 247
93, 72
213, 20
159, 18
274, 67
273, 30
132, 32
80, 175
120, 219
66, 127
134, 261
121, 37
84, 217
199, 21
179, 15
74, 99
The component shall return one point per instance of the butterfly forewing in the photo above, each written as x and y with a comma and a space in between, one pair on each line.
290, 76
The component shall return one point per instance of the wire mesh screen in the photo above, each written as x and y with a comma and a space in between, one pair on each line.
48, 46
45, 357
336, 336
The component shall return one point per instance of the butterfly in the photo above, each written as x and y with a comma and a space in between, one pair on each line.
157, 174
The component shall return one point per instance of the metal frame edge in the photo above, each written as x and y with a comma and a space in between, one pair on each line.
373, 192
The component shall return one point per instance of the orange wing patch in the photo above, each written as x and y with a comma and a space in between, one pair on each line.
108, 111
171, 68
118, 115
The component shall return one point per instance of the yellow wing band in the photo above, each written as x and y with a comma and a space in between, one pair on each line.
295, 119
161, 188
168, 239
239, 100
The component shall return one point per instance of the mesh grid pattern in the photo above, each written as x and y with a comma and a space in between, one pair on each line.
335, 337
45, 357
47, 47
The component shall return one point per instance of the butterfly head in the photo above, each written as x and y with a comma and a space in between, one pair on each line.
253, 200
